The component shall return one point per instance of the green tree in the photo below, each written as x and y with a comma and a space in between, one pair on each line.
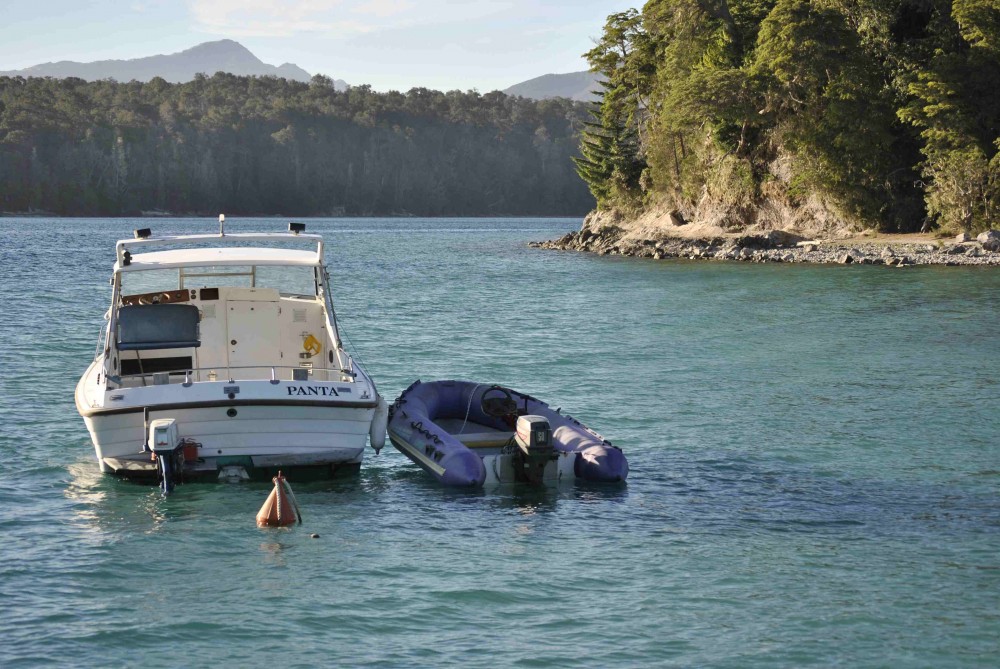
262, 145
823, 99
612, 153
955, 103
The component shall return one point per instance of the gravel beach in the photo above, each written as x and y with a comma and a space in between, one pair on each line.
779, 246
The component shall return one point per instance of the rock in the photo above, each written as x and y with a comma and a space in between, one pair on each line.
845, 259
887, 253
988, 236
783, 238
930, 248
973, 252
314, 536
809, 248
751, 241
957, 249
773, 239
676, 218
990, 240
658, 255
963, 237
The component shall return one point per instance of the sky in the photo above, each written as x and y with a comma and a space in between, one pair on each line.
389, 44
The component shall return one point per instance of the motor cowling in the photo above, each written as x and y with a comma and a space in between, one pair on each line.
166, 446
533, 436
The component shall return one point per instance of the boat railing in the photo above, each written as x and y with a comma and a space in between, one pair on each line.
231, 238
233, 374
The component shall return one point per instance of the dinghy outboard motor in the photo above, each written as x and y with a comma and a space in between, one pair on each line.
168, 451
533, 436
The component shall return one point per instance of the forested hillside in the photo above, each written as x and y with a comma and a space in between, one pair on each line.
263, 145
881, 113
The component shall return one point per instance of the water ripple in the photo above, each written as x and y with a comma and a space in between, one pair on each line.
814, 471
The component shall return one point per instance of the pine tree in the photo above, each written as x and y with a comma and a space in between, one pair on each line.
612, 157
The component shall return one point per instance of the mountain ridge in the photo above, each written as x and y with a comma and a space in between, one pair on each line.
224, 55
579, 86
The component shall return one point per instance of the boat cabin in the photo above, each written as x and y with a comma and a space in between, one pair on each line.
194, 314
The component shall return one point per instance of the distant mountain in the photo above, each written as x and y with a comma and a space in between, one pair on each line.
574, 85
209, 58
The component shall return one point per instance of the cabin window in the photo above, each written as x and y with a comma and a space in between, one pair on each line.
173, 365
288, 280
218, 277
298, 281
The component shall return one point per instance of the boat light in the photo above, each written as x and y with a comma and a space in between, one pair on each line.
222, 225
296, 228
142, 233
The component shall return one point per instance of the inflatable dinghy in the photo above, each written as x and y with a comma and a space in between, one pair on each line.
468, 434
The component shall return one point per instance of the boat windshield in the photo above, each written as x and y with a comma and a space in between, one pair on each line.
288, 280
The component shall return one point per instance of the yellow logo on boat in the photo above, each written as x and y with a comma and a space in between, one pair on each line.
312, 346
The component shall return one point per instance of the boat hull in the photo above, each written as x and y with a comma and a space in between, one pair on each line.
257, 437
262, 429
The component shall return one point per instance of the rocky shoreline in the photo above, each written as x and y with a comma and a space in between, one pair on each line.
785, 247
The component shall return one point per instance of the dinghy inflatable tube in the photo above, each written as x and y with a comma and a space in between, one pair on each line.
413, 429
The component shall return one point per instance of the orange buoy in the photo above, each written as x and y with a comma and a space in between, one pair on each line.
279, 510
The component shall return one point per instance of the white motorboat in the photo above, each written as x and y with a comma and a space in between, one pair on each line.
221, 358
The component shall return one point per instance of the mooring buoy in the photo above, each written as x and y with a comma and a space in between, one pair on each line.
280, 509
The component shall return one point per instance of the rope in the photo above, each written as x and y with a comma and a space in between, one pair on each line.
277, 498
353, 349
291, 496
469, 408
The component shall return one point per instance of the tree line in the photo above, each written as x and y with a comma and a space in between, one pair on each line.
264, 145
884, 112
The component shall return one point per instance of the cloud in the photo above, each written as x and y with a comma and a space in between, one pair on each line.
271, 18
383, 8
149, 6
284, 18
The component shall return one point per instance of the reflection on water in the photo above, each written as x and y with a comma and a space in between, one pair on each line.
273, 551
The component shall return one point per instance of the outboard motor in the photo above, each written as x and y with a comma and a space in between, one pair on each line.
168, 451
533, 436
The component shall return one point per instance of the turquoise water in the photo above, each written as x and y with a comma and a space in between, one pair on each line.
815, 481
